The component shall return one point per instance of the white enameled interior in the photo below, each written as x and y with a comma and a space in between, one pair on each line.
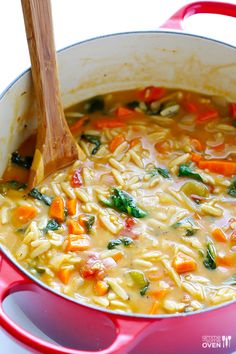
122, 62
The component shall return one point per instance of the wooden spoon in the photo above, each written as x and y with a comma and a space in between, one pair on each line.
55, 146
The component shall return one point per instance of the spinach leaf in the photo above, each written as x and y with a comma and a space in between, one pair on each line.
126, 241
89, 222
187, 225
144, 290
52, 225
22, 161
232, 188
210, 259
94, 104
132, 104
161, 171
231, 281
185, 171
93, 139
124, 202
34, 193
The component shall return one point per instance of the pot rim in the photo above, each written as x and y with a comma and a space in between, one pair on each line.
43, 285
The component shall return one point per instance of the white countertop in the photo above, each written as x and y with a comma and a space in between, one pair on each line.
78, 20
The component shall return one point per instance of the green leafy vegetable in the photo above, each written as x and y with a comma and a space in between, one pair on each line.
124, 202
185, 171
144, 290
52, 225
187, 225
232, 188
126, 241
34, 193
133, 104
89, 222
94, 104
231, 281
161, 171
93, 139
22, 161
210, 259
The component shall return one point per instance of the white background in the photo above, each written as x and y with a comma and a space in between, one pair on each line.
76, 20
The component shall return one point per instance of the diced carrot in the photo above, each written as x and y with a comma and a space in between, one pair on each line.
226, 168
56, 210
75, 128
219, 147
64, 275
183, 263
219, 235
71, 206
101, 287
117, 256
226, 260
82, 218
195, 157
109, 123
153, 275
197, 144
116, 141
207, 115
233, 109
123, 112
23, 214
154, 307
75, 228
134, 142
77, 243
158, 293
76, 179
151, 93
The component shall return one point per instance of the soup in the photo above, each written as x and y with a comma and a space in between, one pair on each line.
145, 220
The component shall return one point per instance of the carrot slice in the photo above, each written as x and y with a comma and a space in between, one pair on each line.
163, 147
219, 235
23, 214
75, 128
134, 142
207, 115
64, 275
101, 287
219, 147
197, 144
56, 210
109, 123
124, 112
77, 243
158, 293
71, 206
117, 256
226, 260
116, 141
183, 263
226, 168
75, 228
154, 307
191, 107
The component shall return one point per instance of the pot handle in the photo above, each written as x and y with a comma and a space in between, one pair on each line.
12, 280
207, 7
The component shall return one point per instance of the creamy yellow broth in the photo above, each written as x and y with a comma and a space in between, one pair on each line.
167, 246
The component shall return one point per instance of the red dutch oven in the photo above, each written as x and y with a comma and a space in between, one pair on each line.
109, 63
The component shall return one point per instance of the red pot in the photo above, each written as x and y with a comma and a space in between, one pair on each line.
79, 328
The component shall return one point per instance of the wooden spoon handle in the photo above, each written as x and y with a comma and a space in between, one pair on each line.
55, 144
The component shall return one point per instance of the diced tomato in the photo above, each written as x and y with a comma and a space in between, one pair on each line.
93, 268
191, 106
123, 112
129, 223
233, 109
76, 179
151, 93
